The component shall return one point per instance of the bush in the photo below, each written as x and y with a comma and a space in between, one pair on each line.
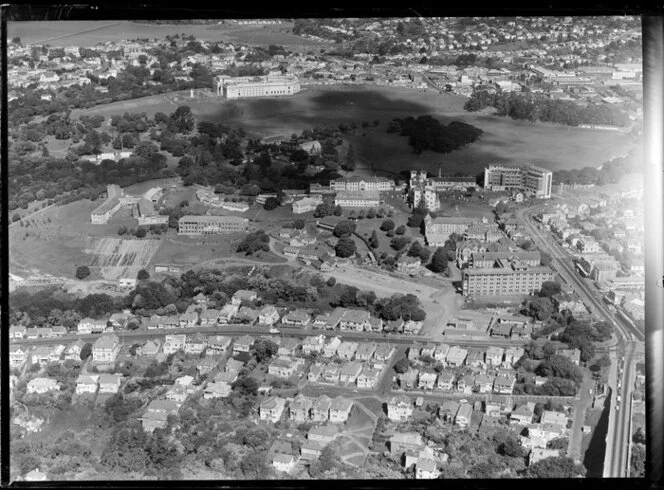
82, 272
271, 203
345, 247
16, 217
400, 230
140, 233
143, 275
387, 225
331, 282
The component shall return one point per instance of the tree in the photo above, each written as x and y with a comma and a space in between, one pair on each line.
349, 164
140, 232
387, 225
400, 230
545, 258
82, 272
271, 203
556, 467
143, 275
183, 119
637, 463
549, 289
16, 217
246, 385
402, 365
373, 240
264, 349
338, 211
399, 242
344, 228
439, 260
415, 249
331, 282
415, 220
323, 210
345, 247
298, 224
86, 351
371, 214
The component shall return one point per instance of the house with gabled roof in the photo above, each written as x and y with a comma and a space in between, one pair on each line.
41, 355
243, 344
441, 352
56, 353
268, 315
465, 384
340, 409
320, 409
395, 326
331, 373
315, 372
288, 346
427, 379
298, 318
365, 351
189, 319
448, 410
174, 343
216, 389
17, 355
330, 349
484, 383
109, 383
350, 371
494, 355
272, 409
522, 415
206, 365
368, 378
399, 408
426, 468
298, 409
282, 367
87, 383
227, 312
218, 344
504, 384
456, 356
384, 352
150, 348
284, 462
209, 317
475, 357
354, 319
313, 344
445, 381
462, 417
243, 295
73, 351
405, 441
346, 349
106, 348
195, 344
323, 433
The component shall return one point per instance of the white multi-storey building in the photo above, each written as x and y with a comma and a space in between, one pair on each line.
271, 85
535, 181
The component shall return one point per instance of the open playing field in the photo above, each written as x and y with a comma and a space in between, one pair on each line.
90, 33
120, 257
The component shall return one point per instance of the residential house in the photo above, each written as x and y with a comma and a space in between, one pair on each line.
58, 331
456, 356
365, 351
320, 409
243, 344
284, 462
56, 353
384, 352
150, 348
375, 325
189, 319
87, 383
195, 344
313, 344
17, 355
32, 333
298, 318
494, 355
340, 409
216, 390
428, 350
552, 417
268, 315
42, 385
405, 441
346, 349
426, 469
217, 344
354, 319
73, 352
209, 317
465, 384
408, 380
282, 367
462, 417
41, 355
448, 410
174, 343
106, 348
205, 365
330, 349
288, 346
504, 384
395, 326
399, 408
311, 450
446, 381
522, 415
17, 331
246, 315
408, 265
109, 383
315, 372
427, 379
323, 433
412, 327
331, 373
45, 332
298, 409
368, 378
350, 371
538, 454
157, 414
243, 295
512, 355
475, 357
227, 312
484, 383
272, 409
414, 353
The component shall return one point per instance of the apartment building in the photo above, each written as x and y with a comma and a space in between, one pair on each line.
532, 180
510, 279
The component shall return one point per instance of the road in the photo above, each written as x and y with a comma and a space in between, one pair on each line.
618, 437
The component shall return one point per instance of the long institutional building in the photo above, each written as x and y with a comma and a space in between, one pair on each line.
142, 207
534, 181
211, 225
427, 188
271, 85
360, 192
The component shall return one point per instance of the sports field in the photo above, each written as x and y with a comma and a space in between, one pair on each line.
121, 258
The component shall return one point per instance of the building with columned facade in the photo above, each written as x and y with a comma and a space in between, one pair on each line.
272, 85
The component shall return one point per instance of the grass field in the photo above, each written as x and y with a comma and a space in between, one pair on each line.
189, 251
117, 257
90, 33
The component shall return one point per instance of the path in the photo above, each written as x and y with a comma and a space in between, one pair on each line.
580, 408
31, 215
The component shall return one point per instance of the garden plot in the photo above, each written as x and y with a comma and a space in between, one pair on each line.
118, 258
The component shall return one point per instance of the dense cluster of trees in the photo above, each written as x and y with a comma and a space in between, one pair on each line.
564, 377
535, 107
610, 173
427, 133
254, 242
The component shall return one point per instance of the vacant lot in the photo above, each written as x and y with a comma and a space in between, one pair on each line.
189, 251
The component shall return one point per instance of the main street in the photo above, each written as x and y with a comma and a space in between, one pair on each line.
618, 437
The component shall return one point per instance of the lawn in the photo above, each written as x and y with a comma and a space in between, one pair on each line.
189, 251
